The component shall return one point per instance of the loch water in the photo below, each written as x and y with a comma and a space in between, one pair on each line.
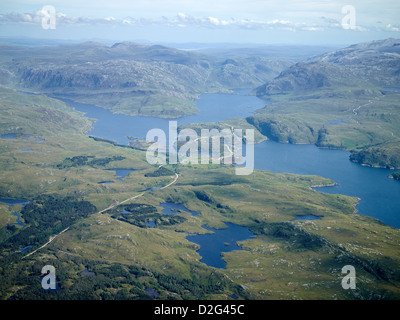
379, 196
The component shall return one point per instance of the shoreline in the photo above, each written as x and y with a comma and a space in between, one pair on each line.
324, 185
233, 93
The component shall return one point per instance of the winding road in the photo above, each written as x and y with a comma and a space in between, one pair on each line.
106, 209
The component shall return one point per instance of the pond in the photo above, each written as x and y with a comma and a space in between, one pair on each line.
12, 202
307, 217
121, 173
171, 208
212, 245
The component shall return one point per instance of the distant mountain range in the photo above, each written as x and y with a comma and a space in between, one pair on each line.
129, 77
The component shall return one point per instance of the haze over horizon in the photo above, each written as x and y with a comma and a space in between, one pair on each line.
314, 22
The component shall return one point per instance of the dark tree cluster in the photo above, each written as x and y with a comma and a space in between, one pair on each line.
46, 216
87, 161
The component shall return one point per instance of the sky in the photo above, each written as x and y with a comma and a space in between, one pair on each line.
311, 22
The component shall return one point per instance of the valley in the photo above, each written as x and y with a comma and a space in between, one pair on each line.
82, 225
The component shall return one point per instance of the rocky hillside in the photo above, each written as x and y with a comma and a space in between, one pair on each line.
348, 99
369, 64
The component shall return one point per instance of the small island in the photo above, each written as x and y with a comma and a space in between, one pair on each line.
395, 176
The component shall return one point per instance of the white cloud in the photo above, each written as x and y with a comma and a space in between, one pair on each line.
183, 20
389, 27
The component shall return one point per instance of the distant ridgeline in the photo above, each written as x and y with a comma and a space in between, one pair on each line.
141, 80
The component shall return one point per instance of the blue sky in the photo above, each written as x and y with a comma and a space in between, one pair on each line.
177, 21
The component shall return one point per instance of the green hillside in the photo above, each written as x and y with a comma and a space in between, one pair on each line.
100, 254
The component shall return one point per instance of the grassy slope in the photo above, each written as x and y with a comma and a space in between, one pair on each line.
280, 264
